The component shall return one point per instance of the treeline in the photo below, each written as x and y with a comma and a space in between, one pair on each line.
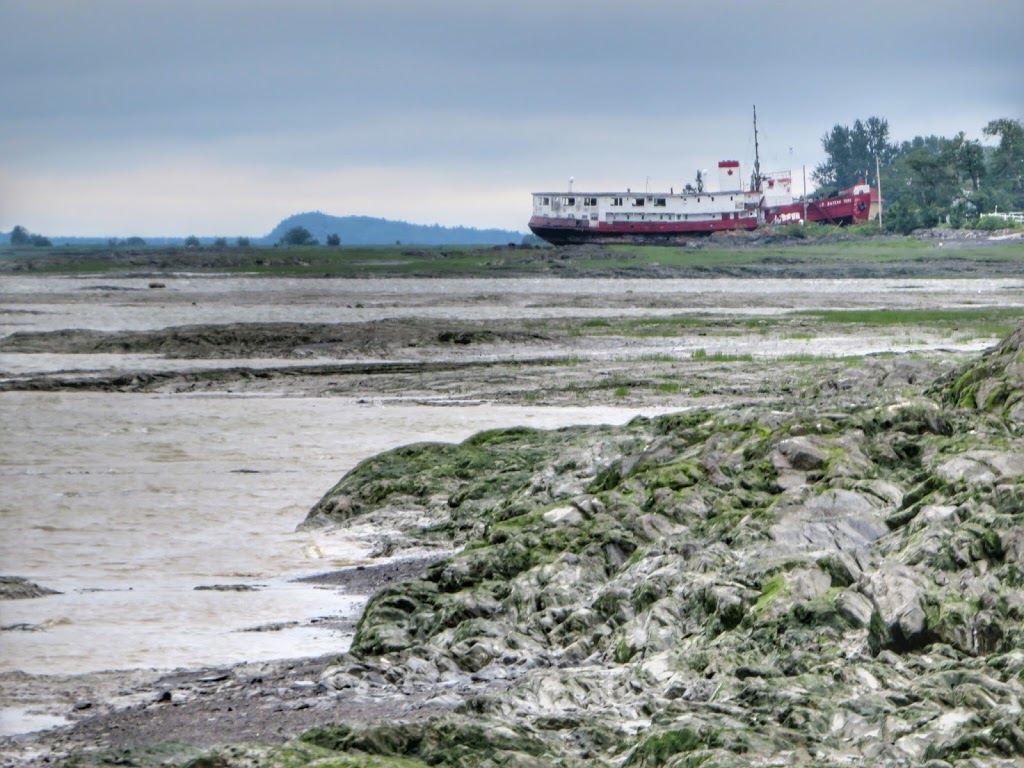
929, 180
21, 236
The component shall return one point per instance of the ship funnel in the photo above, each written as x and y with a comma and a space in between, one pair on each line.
729, 175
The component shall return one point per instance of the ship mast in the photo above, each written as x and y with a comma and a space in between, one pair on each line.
755, 179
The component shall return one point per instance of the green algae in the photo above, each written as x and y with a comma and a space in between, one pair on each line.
658, 749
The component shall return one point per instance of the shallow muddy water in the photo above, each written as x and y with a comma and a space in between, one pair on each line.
126, 503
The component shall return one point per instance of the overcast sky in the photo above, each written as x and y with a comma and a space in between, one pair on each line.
221, 117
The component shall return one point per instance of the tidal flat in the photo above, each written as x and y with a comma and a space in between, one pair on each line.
805, 550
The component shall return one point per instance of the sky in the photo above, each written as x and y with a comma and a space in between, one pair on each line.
222, 117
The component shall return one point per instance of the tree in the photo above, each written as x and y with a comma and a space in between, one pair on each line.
192, 242
298, 236
220, 242
935, 182
333, 240
1007, 164
21, 236
969, 160
852, 151
933, 178
243, 242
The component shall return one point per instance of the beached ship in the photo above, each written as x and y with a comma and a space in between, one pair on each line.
570, 217
564, 218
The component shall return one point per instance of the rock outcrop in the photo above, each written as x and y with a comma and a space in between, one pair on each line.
994, 383
18, 588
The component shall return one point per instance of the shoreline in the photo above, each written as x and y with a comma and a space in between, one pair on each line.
126, 708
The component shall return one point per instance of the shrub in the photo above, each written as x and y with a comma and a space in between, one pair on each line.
798, 231
991, 223
866, 229
902, 217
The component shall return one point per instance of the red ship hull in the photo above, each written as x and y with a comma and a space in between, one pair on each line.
559, 231
845, 208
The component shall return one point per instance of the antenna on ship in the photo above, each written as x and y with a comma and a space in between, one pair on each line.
755, 179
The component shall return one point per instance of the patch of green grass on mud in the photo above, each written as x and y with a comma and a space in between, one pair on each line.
721, 357
865, 251
676, 256
872, 251
987, 321
365, 261
809, 357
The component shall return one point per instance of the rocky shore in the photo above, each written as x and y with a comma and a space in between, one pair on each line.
833, 582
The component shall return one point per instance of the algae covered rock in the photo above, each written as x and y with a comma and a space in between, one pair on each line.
994, 382
439, 495
897, 594
805, 587
18, 588
822, 585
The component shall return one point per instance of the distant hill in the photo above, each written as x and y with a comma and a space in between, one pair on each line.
366, 230
352, 230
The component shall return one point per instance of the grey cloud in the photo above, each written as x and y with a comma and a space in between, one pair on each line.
534, 88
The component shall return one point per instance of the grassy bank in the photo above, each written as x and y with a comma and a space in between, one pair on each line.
765, 256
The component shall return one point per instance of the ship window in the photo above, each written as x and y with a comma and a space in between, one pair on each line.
638, 201
616, 201
590, 201
712, 198
569, 200
547, 201
660, 201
